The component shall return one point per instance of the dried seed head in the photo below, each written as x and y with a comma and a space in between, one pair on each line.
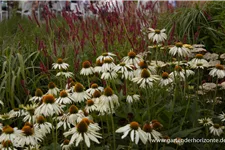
86, 64
38, 92
145, 73
49, 99
78, 88
134, 125
108, 91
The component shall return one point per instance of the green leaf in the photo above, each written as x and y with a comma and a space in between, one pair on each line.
185, 133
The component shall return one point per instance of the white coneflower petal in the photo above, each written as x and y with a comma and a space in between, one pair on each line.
60, 64
157, 35
135, 132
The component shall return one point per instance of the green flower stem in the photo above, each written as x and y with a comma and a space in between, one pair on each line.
147, 100
130, 145
113, 128
186, 111
214, 99
173, 102
88, 81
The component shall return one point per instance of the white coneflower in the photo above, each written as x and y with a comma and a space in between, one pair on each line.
104, 56
70, 86
145, 80
5, 116
189, 72
83, 114
151, 133
82, 132
90, 106
16, 112
29, 113
73, 115
109, 75
125, 70
29, 136
132, 98
65, 74
9, 133
42, 125
65, 145
87, 69
210, 56
96, 98
222, 116
132, 59
135, 132
60, 64
49, 107
165, 80
218, 71
144, 65
157, 35
158, 64
79, 94
64, 98
7, 145
178, 73
108, 101
52, 89
205, 121
198, 62
216, 129
63, 121
94, 87
98, 67
38, 96
107, 65
90, 123
179, 50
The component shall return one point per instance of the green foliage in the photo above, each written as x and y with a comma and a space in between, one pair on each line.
197, 24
